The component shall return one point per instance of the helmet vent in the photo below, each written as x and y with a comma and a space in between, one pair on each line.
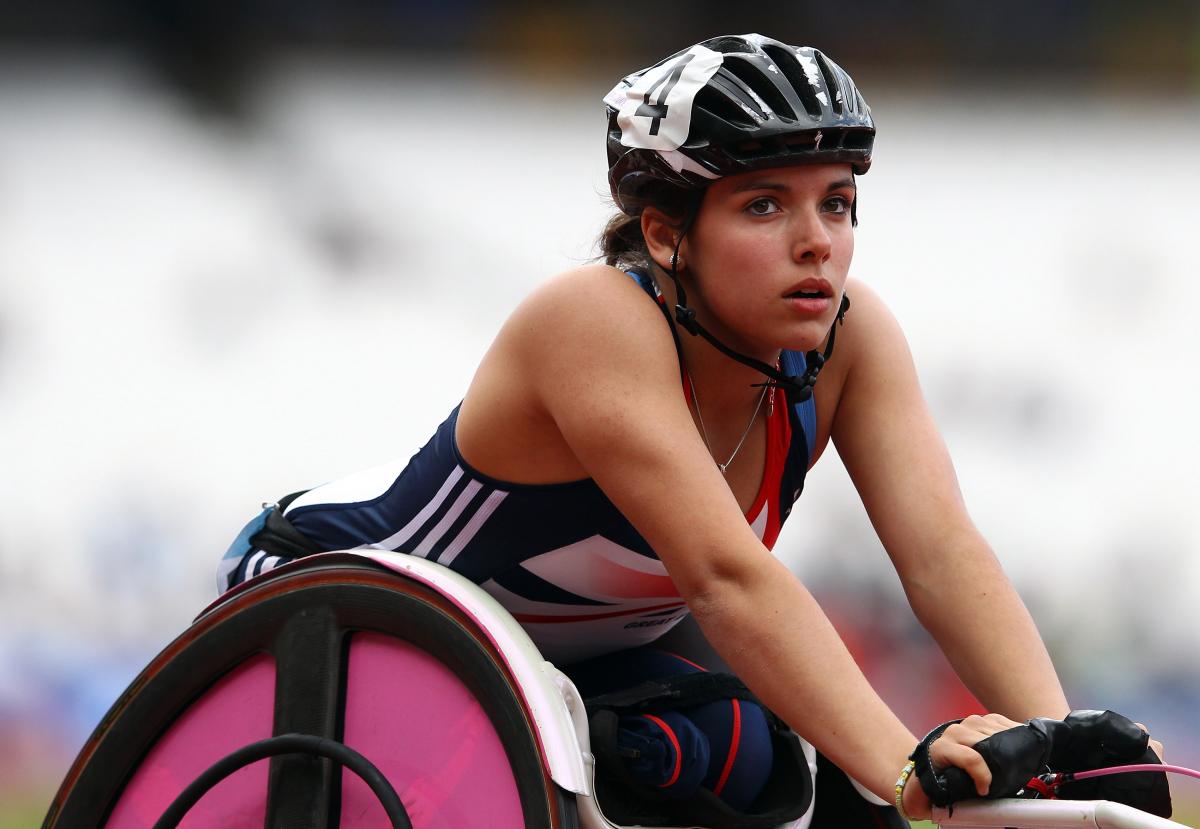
749, 150
729, 44
831, 82
722, 105
858, 140
860, 106
789, 63
753, 76
785, 61
805, 141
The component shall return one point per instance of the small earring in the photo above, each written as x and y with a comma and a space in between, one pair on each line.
674, 260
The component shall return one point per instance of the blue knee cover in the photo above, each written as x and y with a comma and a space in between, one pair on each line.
740, 750
724, 746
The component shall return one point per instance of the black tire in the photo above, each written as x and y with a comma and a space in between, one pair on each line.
304, 618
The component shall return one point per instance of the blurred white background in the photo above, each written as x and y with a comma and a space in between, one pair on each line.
199, 314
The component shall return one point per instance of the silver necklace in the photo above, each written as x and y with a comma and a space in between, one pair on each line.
704, 431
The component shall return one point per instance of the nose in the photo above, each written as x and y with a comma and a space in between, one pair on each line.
813, 244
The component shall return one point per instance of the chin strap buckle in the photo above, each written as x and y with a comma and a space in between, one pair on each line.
800, 390
687, 318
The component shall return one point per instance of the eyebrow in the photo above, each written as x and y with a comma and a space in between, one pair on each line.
761, 184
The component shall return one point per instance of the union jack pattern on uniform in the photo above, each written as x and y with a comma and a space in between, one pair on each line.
560, 557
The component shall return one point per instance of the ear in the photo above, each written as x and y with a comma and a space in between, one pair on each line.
661, 232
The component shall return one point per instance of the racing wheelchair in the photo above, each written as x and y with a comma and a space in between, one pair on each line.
383, 690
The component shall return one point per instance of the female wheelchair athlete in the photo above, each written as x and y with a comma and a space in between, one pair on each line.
400, 672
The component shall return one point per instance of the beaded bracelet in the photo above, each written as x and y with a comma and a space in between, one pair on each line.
900, 781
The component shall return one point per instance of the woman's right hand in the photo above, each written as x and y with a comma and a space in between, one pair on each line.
954, 747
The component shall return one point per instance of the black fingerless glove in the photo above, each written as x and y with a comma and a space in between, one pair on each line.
1102, 739
1013, 756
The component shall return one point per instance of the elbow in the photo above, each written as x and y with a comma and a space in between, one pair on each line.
728, 585
943, 596
922, 598
930, 587
934, 595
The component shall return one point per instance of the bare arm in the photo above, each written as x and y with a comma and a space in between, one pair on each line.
893, 451
605, 371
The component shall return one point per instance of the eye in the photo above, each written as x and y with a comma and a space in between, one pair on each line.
837, 205
762, 207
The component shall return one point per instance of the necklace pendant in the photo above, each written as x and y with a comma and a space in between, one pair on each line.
745, 433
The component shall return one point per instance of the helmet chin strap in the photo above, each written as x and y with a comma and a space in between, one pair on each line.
798, 388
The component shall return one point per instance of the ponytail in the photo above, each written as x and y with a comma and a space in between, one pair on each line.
621, 242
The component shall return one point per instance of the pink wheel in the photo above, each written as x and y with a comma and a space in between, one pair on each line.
347, 652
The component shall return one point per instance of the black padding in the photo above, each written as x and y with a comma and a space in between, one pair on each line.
279, 537
309, 693
840, 806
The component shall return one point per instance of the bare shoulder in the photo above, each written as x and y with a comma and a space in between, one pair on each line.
871, 331
589, 315
578, 347
871, 348
867, 342
595, 296
880, 381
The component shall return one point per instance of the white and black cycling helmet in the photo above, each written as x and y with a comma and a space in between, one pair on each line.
728, 105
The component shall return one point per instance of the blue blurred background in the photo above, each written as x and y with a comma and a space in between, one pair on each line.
249, 247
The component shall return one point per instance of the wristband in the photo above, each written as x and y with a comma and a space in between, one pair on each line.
900, 781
